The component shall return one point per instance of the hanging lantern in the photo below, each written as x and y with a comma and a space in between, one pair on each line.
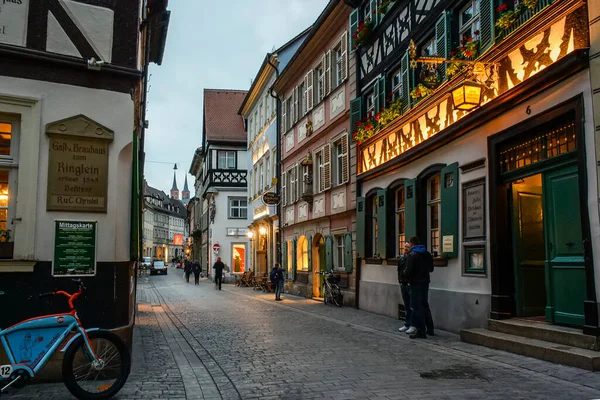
467, 96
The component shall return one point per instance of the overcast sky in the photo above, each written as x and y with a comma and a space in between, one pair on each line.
220, 46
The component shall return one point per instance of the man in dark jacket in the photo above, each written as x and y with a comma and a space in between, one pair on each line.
405, 290
276, 277
219, 266
187, 271
419, 264
196, 268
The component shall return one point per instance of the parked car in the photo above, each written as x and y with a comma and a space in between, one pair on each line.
158, 267
146, 262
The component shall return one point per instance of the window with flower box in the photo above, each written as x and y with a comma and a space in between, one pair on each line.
397, 87
433, 214
468, 19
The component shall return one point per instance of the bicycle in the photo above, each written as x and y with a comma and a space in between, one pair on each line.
331, 291
96, 363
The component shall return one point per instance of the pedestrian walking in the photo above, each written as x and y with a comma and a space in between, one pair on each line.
276, 278
219, 266
419, 264
405, 291
196, 268
187, 271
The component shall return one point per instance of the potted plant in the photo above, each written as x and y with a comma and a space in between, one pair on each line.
384, 6
420, 92
362, 32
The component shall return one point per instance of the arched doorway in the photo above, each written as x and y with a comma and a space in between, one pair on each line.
318, 249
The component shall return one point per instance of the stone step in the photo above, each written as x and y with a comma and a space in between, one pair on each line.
546, 332
542, 350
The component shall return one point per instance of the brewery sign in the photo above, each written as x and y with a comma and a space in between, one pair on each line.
474, 210
13, 21
78, 165
270, 198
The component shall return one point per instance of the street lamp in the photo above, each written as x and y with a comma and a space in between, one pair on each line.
467, 95
262, 230
250, 234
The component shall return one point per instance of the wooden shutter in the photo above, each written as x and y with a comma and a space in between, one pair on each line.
410, 208
379, 94
283, 118
356, 113
348, 260
327, 166
487, 25
353, 28
329, 252
284, 258
345, 168
294, 113
297, 183
294, 259
283, 188
309, 84
374, 15
442, 39
405, 74
344, 46
382, 223
449, 198
309, 239
327, 78
360, 227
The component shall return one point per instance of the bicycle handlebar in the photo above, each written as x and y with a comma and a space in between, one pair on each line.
71, 297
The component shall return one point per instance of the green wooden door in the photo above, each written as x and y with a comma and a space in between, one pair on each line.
529, 248
318, 288
565, 269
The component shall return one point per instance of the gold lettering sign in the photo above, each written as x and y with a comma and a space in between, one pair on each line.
77, 165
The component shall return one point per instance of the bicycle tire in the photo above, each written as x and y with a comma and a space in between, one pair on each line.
336, 295
69, 378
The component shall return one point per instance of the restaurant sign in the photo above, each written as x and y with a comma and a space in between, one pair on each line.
78, 165
13, 21
74, 248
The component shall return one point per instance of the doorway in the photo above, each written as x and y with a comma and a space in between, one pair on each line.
238, 257
318, 280
548, 253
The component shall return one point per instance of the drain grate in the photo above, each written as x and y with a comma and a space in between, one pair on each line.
456, 372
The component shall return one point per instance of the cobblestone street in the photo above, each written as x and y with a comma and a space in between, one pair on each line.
193, 342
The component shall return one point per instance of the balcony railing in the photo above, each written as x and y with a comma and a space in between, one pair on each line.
226, 177
525, 16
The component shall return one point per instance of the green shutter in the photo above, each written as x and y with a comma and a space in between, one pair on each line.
360, 227
382, 223
284, 258
356, 113
329, 252
294, 259
442, 39
487, 35
353, 27
406, 81
379, 94
449, 197
309, 240
410, 210
348, 261
374, 15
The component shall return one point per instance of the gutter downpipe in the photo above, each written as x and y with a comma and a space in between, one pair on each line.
358, 185
278, 163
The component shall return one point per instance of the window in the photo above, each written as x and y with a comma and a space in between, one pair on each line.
340, 250
267, 107
374, 225
340, 160
397, 84
226, 159
400, 208
261, 182
8, 156
433, 214
429, 48
468, 20
237, 208
274, 169
268, 174
293, 183
320, 83
301, 100
320, 164
339, 65
302, 254
306, 182
290, 118
4, 173
261, 121
251, 182
256, 181
250, 131
370, 102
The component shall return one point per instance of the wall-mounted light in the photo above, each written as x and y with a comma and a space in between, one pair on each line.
250, 234
467, 95
262, 230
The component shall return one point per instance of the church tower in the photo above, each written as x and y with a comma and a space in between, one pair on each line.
185, 194
174, 190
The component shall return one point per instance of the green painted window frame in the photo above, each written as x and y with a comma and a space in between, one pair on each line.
473, 248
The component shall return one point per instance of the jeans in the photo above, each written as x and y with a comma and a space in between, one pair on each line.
197, 279
408, 312
278, 289
419, 301
218, 279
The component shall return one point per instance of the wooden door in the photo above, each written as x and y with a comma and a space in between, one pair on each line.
318, 279
565, 266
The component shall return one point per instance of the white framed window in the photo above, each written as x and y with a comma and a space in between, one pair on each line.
268, 174
256, 180
261, 182
429, 48
293, 183
238, 208
274, 161
320, 76
267, 107
319, 168
433, 214
305, 179
261, 120
301, 100
400, 220
322, 169
340, 160
468, 19
338, 240
397, 84
225, 159
289, 112
338, 54
250, 128
9, 157
370, 103
251, 183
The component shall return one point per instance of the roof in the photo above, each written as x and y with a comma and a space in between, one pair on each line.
221, 120
185, 185
174, 187
177, 207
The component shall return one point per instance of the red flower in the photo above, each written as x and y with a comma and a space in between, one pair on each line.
378, 115
470, 40
476, 33
468, 53
462, 42
369, 127
501, 7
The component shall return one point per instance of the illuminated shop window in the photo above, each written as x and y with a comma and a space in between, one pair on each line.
433, 214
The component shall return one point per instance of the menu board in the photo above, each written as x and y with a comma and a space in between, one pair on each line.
13, 21
474, 210
74, 248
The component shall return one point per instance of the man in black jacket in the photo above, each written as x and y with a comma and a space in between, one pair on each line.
419, 264
405, 290
219, 266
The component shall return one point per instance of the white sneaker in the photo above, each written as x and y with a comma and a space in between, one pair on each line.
411, 330
404, 328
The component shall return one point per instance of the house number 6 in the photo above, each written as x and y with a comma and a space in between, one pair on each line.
528, 110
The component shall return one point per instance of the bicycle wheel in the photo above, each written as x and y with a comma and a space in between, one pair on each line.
87, 381
336, 295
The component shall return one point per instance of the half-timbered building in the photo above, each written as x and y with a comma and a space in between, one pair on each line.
475, 133
317, 213
72, 117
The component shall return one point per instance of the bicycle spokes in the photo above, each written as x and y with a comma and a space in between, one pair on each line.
96, 376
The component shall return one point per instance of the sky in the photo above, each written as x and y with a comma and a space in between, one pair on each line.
216, 46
